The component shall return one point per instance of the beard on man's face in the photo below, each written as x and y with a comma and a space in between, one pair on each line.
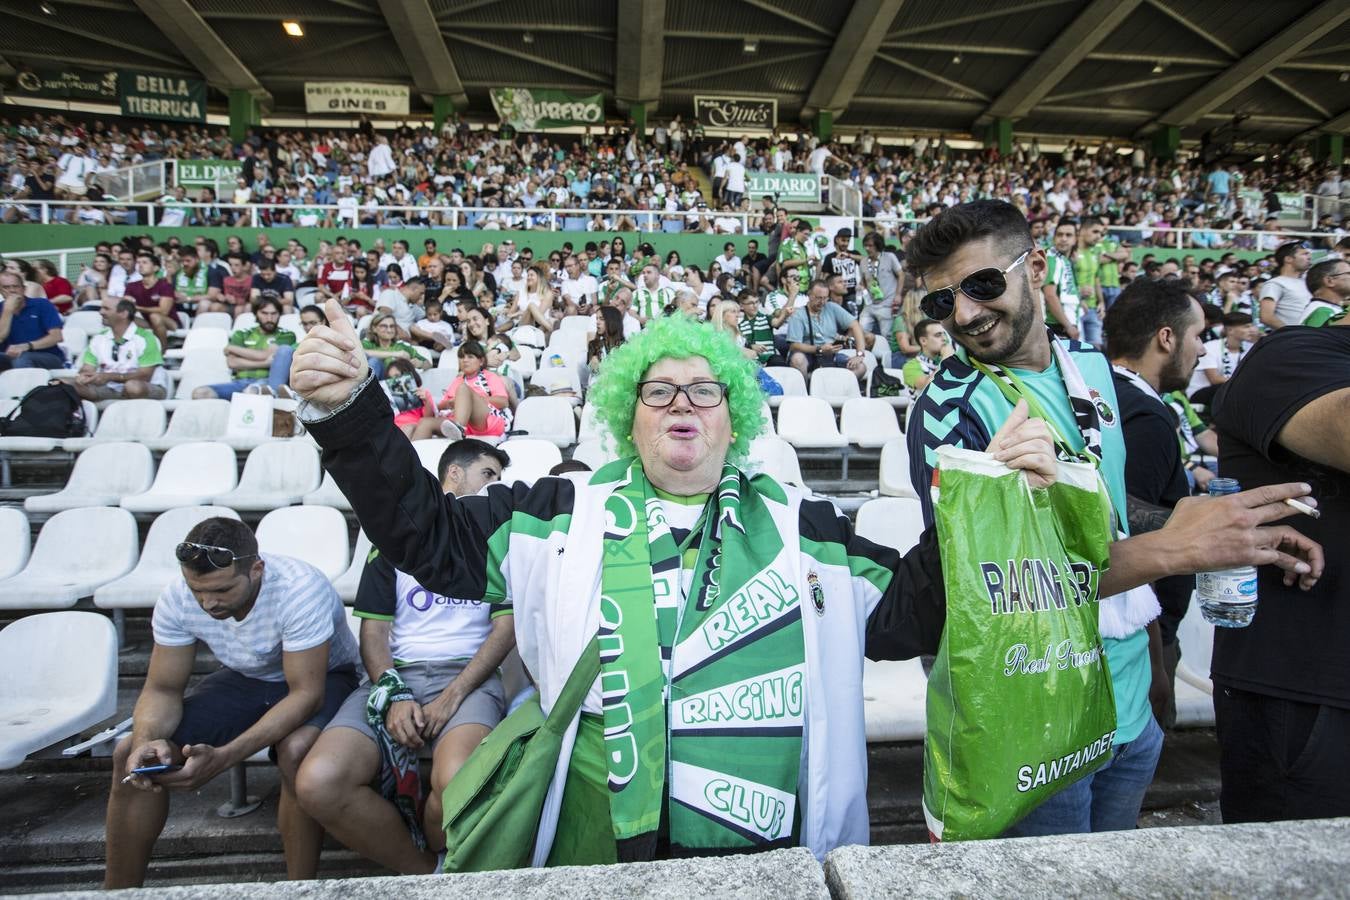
1010, 331
1175, 375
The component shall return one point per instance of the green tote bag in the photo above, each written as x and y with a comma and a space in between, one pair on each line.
493, 804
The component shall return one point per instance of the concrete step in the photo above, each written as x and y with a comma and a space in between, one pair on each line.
51, 818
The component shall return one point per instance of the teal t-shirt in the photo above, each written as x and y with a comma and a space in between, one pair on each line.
963, 408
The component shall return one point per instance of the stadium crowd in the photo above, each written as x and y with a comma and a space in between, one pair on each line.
890, 307
503, 180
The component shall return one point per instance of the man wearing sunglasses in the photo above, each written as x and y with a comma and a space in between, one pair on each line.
1285, 297
978, 266
288, 662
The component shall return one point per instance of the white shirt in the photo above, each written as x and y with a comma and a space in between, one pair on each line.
730, 266
818, 157
1291, 296
1217, 358
118, 279
580, 289
735, 177
297, 609
381, 161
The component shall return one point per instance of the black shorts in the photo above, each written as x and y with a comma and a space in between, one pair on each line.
225, 704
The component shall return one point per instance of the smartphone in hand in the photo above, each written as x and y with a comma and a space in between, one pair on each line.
156, 769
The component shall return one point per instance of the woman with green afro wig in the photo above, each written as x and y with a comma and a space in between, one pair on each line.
727, 615
614, 395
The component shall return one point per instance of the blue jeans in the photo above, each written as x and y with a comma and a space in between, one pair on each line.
1109, 295
1090, 327
38, 359
278, 373
1107, 800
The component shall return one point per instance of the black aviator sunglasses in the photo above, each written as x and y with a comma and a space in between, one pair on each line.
983, 286
218, 557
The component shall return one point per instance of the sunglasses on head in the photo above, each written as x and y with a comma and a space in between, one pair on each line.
219, 557
983, 286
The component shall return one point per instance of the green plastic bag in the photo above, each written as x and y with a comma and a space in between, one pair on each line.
491, 808
1020, 704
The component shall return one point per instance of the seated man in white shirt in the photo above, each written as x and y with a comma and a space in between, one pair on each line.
433, 662
289, 660
1222, 356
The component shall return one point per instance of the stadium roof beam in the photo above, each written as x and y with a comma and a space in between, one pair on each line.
639, 53
203, 48
530, 57
92, 36
423, 48
983, 16
1255, 65
1069, 48
851, 56
1339, 125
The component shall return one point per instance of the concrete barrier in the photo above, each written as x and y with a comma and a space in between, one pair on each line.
780, 875
1283, 859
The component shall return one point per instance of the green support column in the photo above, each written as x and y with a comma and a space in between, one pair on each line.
638, 113
442, 108
824, 125
1330, 148
243, 114
998, 134
1166, 140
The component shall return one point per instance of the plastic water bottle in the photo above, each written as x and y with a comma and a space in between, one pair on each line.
1228, 598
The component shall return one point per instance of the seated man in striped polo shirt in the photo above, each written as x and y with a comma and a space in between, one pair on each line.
288, 661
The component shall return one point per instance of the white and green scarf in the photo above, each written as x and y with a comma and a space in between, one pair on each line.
703, 695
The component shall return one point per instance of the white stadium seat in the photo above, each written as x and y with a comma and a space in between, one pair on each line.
243, 322
88, 320
188, 381
73, 341
58, 677
437, 380
895, 480
218, 320
529, 337
125, 420
103, 475
869, 422
590, 428
189, 475
594, 453
192, 421
895, 522
792, 382
201, 340
277, 473
900, 401
547, 418
140, 588
17, 382
808, 423
775, 457
429, 451
1194, 689
347, 583
531, 458
328, 494
895, 697
16, 540
834, 385
315, 534
579, 324
77, 551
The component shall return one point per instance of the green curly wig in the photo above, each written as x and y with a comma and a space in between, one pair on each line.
614, 394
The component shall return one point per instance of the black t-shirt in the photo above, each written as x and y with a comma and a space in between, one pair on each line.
279, 283
1298, 646
839, 264
1155, 473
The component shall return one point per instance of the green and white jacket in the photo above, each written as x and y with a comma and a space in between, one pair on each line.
536, 551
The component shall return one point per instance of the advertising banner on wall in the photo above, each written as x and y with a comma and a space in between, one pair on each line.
356, 97
200, 173
785, 186
736, 112
147, 95
535, 109
66, 83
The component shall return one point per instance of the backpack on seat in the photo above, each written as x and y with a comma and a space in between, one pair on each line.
48, 411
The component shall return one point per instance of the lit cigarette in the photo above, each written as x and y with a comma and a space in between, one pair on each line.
1304, 508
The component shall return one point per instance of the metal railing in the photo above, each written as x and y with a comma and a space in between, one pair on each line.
1160, 238
845, 197
137, 181
258, 215
66, 259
